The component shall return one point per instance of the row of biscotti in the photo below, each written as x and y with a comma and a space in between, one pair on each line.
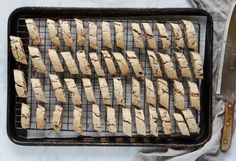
186, 126
189, 29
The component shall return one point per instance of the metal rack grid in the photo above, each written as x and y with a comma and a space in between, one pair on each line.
87, 109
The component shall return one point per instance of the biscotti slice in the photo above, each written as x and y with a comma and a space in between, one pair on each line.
18, 50
150, 92
140, 121
33, 31
88, 88
163, 93
73, 90
178, 35
119, 30
56, 63
38, 90
57, 118
161, 29
81, 35
194, 95
20, 83
134, 61
181, 124
70, 62
111, 119
137, 34
66, 34
178, 95
37, 61
183, 65
53, 32
156, 69
25, 116
106, 34
93, 36
165, 118
197, 64
104, 91
119, 91
190, 35
135, 93
151, 41
168, 66
96, 64
153, 120
127, 121
190, 120
77, 120
83, 63
123, 66
96, 118
57, 87
40, 117
109, 62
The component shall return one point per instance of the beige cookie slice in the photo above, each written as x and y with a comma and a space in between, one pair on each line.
194, 95
136, 93
93, 36
151, 41
127, 121
154, 63
81, 35
197, 64
178, 95
123, 65
88, 88
153, 120
17, 50
96, 118
181, 124
190, 120
106, 34
66, 33
150, 92
33, 31
168, 66
20, 83
57, 87
111, 119
104, 91
52, 30
70, 62
57, 118
161, 29
137, 35
183, 65
54, 58
25, 116
37, 60
83, 63
77, 120
163, 93
38, 90
190, 35
178, 35
73, 90
134, 61
140, 122
109, 62
40, 117
119, 32
165, 118
96, 64
119, 91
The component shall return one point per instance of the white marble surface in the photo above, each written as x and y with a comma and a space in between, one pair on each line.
8, 150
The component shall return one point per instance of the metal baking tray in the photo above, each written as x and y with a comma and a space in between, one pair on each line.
32, 136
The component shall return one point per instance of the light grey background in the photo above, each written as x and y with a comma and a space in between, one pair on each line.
9, 151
